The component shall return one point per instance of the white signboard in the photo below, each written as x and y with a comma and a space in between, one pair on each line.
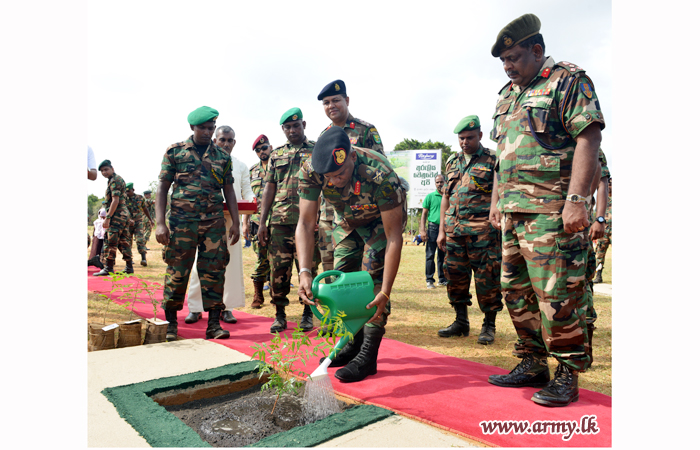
419, 168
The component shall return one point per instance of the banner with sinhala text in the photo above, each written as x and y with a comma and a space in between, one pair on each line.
419, 168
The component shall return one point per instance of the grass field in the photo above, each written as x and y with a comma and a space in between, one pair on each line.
417, 314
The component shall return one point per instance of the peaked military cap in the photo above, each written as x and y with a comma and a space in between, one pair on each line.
468, 123
129, 185
333, 88
292, 114
260, 140
146, 192
106, 162
331, 150
201, 115
515, 32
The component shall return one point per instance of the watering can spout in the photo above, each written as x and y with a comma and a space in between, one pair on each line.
322, 370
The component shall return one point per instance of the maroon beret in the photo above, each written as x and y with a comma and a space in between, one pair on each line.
260, 140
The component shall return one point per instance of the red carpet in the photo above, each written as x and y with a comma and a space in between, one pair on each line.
444, 391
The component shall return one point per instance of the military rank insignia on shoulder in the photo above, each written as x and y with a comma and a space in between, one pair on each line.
572, 68
176, 145
378, 177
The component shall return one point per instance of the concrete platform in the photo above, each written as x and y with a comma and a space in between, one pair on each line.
110, 368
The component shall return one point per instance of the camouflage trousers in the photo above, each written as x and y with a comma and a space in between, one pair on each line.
282, 253
117, 236
136, 232
187, 238
602, 246
369, 242
480, 253
325, 243
147, 228
543, 283
261, 271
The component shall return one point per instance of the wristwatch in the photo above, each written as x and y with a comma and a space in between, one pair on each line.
575, 198
600, 219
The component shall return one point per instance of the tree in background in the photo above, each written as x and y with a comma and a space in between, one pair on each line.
94, 205
413, 144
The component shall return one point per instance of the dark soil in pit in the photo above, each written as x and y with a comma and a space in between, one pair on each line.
243, 418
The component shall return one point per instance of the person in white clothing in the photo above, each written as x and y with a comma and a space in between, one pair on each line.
234, 291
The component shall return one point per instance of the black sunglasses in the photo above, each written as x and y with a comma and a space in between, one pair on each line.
261, 149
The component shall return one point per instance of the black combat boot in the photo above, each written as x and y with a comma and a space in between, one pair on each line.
129, 267
561, 391
461, 324
348, 353
488, 329
143, 259
598, 277
106, 270
227, 316
95, 261
307, 319
532, 371
171, 317
214, 330
365, 363
280, 323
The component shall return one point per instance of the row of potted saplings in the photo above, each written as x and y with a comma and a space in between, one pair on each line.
102, 336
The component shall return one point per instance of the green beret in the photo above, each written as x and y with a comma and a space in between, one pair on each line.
292, 114
146, 192
331, 150
336, 87
201, 115
468, 123
106, 162
129, 185
515, 32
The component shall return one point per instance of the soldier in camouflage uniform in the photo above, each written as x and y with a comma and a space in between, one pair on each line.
280, 208
548, 126
151, 207
466, 235
200, 171
116, 224
605, 240
361, 134
139, 212
261, 272
368, 197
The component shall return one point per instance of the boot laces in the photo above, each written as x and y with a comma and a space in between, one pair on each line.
562, 378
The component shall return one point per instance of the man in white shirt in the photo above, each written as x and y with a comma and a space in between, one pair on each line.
234, 292
92, 165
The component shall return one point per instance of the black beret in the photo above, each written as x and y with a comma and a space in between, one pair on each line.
333, 88
331, 150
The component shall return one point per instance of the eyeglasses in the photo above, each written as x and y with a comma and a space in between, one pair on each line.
261, 149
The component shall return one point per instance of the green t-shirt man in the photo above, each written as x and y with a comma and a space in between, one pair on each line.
431, 202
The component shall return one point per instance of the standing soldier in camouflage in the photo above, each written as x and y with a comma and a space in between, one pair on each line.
466, 236
367, 195
605, 239
151, 207
200, 170
281, 203
261, 272
361, 134
116, 224
548, 126
137, 209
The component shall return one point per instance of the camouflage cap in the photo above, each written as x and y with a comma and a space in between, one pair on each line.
333, 88
468, 123
201, 115
331, 150
260, 140
515, 32
106, 162
292, 114
129, 185
146, 192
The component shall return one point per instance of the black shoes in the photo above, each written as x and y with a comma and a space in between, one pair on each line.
280, 323
143, 259
532, 371
460, 327
193, 317
227, 317
214, 330
561, 391
598, 277
307, 319
171, 317
365, 363
129, 267
348, 353
488, 329
106, 270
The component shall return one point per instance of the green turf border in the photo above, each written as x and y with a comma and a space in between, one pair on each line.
160, 428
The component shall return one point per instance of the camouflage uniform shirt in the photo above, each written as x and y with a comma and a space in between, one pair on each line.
197, 181
151, 207
257, 184
373, 187
468, 187
604, 172
362, 134
283, 170
135, 205
535, 129
116, 187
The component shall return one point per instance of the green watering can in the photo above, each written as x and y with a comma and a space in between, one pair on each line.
349, 293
